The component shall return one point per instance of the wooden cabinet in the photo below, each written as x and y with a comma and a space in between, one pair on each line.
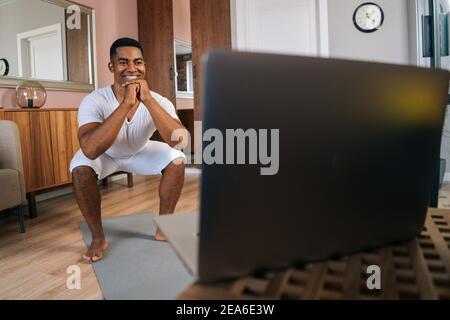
210, 28
34, 128
49, 141
64, 139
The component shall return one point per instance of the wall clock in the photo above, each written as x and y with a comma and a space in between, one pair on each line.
368, 17
4, 67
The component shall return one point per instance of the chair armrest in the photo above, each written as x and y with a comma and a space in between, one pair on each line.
11, 152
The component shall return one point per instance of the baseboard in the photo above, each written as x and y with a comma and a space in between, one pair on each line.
193, 171
54, 194
69, 189
447, 177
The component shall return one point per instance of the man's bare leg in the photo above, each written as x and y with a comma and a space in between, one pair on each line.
169, 191
88, 198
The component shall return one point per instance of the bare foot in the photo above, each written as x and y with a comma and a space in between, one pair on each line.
159, 236
95, 252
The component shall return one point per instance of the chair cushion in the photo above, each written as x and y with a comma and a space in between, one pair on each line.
10, 195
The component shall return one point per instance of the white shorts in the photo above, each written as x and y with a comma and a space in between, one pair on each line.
151, 160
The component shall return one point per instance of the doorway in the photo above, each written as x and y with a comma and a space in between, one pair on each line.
40, 53
298, 27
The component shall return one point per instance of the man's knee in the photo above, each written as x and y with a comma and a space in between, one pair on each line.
176, 167
83, 172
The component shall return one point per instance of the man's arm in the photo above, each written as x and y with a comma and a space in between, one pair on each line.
166, 124
96, 138
171, 130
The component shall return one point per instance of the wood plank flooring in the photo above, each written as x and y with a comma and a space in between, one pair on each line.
34, 265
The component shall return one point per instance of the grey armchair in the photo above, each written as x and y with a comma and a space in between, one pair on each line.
12, 181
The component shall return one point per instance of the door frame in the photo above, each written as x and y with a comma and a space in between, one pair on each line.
322, 40
23, 46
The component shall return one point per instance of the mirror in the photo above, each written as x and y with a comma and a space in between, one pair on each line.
183, 69
49, 41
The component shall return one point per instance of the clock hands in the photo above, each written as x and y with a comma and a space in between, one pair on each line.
368, 17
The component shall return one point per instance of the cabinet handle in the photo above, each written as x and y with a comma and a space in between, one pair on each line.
171, 73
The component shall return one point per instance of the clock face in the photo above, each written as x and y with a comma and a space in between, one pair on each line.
4, 67
368, 17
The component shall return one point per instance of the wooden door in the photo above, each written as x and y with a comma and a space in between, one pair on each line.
155, 20
210, 28
77, 40
64, 130
34, 127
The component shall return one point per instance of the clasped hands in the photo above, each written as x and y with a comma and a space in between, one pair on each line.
137, 91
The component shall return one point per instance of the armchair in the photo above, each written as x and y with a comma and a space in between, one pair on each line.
12, 182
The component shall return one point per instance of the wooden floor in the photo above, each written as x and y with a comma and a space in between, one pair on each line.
34, 265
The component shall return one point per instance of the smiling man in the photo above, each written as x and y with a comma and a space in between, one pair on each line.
115, 125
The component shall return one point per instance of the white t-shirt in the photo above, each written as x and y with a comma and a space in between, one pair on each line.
133, 136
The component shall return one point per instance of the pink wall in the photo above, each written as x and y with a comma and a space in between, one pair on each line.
185, 104
182, 19
114, 19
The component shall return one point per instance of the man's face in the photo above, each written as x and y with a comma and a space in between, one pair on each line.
127, 65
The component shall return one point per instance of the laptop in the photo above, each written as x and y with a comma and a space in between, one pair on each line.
358, 146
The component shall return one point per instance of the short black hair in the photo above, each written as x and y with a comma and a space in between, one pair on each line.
124, 42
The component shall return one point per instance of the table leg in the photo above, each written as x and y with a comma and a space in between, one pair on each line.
130, 180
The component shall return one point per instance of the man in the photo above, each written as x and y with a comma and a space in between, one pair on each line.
115, 125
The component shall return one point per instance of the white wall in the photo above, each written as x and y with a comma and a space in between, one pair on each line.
389, 44
280, 26
21, 16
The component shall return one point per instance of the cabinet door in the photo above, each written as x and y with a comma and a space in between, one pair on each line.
210, 28
156, 36
65, 144
37, 157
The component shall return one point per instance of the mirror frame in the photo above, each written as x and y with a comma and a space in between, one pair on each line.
181, 94
13, 82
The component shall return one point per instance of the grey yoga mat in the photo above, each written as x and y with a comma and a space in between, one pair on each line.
135, 266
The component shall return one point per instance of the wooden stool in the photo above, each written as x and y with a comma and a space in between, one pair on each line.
105, 181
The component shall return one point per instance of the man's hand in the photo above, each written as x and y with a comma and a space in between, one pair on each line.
131, 94
143, 93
